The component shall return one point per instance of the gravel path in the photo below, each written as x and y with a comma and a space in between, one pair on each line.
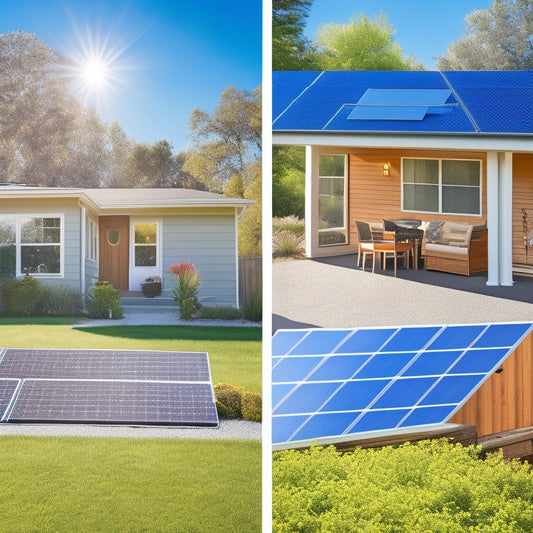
229, 429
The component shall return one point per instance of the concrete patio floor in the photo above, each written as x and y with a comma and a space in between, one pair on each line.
332, 293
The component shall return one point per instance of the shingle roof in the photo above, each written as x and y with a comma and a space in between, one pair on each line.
404, 101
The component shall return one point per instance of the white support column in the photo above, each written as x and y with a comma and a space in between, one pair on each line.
311, 200
505, 231
493, 218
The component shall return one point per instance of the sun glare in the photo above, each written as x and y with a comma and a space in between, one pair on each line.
95, 67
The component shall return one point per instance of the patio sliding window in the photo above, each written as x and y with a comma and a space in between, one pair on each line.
447, 186
332, 209
30, 244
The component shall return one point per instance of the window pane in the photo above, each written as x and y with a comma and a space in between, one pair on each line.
332, 237
331, 165
331, 203
113, 236
460, 200
421, 171
145, 233
146, 255
37, 230
43, 259
461, 173
7, 229
421, 198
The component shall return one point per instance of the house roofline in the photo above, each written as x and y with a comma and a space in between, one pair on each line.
430, 141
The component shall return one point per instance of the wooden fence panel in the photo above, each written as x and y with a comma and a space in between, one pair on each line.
250, 278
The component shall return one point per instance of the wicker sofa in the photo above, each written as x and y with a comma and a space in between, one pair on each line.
455, 248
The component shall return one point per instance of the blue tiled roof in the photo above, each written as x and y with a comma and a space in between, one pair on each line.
404, 101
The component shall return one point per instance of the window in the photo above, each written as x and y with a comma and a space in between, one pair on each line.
91, 245
448, 186
145, 245
30, 244
332, 200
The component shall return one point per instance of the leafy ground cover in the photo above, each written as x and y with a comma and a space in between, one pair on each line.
234, 352
94, 484
432, 486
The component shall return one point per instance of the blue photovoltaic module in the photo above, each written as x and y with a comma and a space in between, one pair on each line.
329, 383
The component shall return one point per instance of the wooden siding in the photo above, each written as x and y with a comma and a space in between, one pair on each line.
522, 198
209, 243
505, 401
373, 196
71, 245
250, 278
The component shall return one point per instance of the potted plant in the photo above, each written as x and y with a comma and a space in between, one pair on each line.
151, 286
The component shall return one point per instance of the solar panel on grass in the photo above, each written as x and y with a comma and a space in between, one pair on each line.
327, 384
101, 386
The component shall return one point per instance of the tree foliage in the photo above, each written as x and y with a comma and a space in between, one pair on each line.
290, 49
288, 181
361, 44
429, 486
226, 141
498, 38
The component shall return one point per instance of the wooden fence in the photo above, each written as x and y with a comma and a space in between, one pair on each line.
250, 277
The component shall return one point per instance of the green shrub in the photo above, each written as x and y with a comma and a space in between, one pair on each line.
286, 243
253, 308
22, 297
429, 486
59, 300
291, 223
219, 313
102, 299
228, 400
251, 406
5, 289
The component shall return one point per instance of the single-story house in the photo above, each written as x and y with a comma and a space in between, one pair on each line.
426, 145
79, 236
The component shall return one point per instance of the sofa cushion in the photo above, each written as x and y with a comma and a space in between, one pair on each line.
445, 250
455, 234
431, 234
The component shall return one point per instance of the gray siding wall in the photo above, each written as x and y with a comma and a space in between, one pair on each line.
207, 241
72, 231
91, 273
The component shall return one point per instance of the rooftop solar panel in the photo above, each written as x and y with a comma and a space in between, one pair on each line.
351, 382
101, 386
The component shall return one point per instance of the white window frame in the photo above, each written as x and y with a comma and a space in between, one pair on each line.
140, 273
91, 238
18, 243
345, 206
439, 185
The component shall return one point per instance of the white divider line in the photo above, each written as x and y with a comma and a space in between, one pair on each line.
11, 405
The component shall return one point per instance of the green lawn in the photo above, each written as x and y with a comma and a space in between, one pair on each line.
234, 352
95, 484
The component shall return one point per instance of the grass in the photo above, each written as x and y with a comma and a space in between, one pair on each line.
234, 352
94, 484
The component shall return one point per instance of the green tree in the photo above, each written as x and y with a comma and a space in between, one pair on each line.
498, 38
290, 49
120, 147
226, 141
288, 181
46, 136
151, 165
361, 44
250, 223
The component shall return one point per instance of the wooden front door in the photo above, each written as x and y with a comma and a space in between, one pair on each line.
114, 251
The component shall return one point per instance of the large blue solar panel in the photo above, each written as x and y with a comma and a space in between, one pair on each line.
488, 102
333, 383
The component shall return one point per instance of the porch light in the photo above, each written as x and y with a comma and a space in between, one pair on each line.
386, 168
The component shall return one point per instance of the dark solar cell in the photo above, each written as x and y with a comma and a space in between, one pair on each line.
7, 389
189, 404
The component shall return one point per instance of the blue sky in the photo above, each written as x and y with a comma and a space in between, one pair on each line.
175, 55
423, 27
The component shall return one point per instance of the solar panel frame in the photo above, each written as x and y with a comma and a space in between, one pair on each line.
463, 341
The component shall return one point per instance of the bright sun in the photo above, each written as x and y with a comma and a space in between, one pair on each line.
95, 73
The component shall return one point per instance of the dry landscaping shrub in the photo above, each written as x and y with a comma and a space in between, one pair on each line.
286, 243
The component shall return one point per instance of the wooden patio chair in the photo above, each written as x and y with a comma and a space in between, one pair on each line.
366, 244
389, 245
